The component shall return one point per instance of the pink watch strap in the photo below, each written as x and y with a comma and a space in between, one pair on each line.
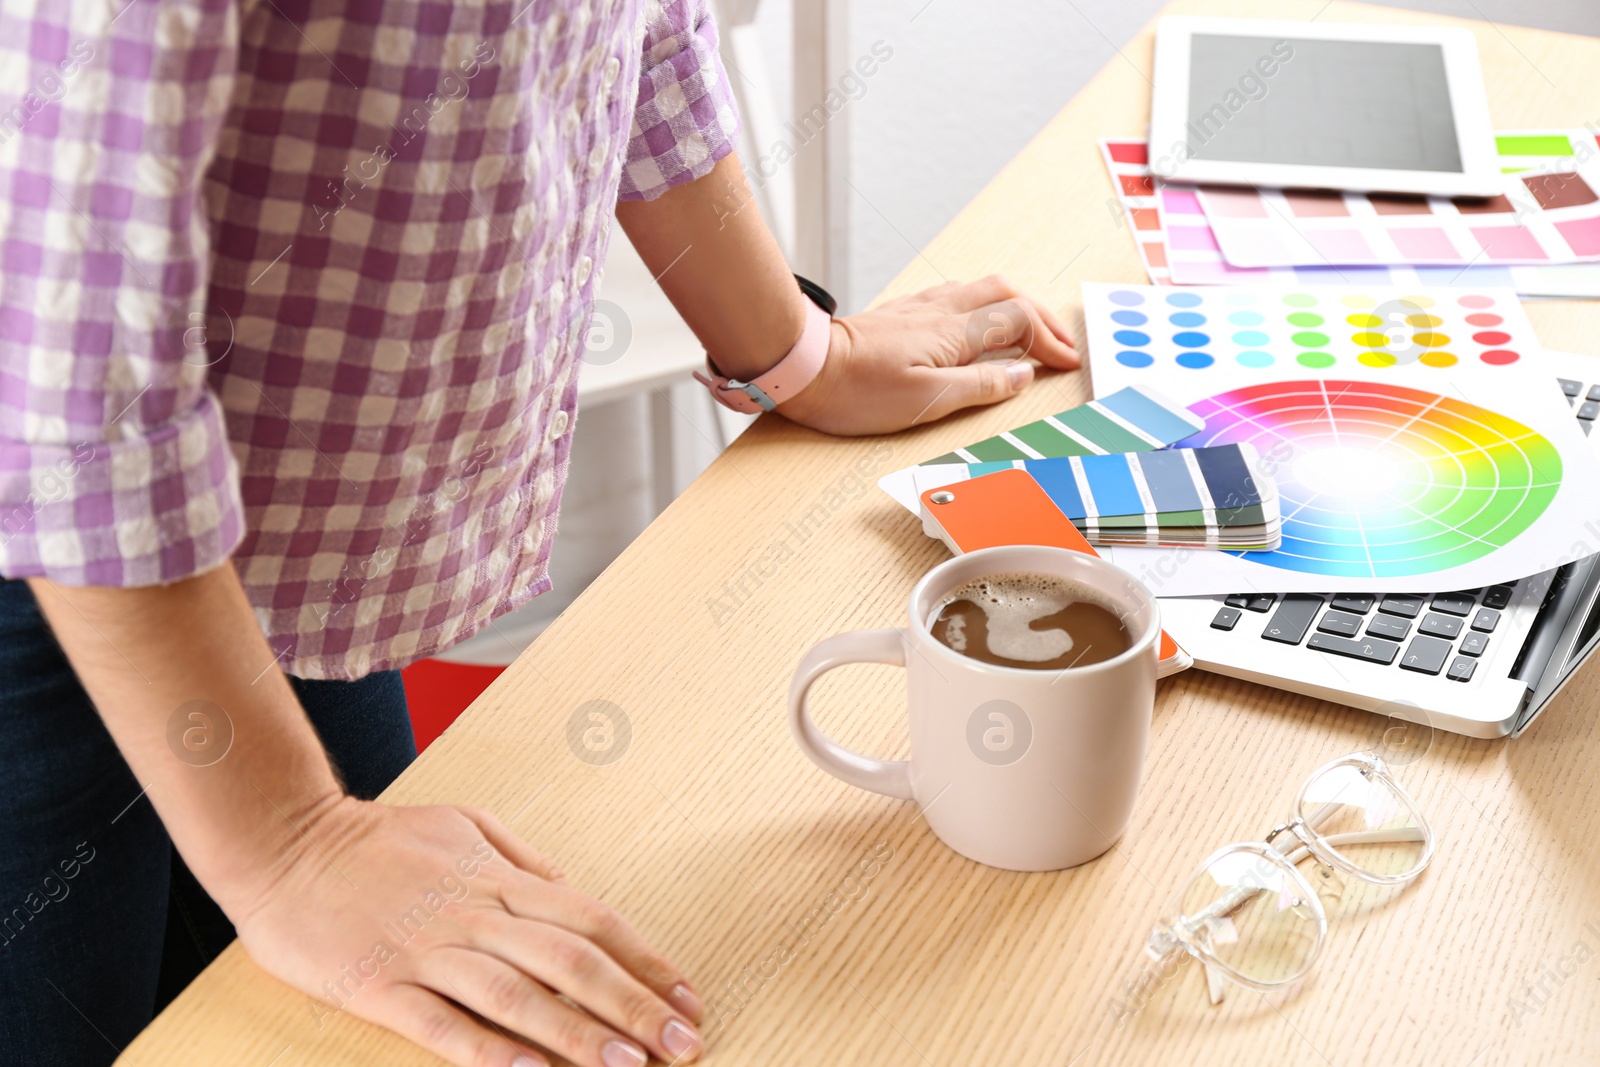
793, 373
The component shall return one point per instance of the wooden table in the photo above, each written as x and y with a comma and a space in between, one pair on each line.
720, 840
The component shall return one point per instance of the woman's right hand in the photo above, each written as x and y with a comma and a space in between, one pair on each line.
405, 916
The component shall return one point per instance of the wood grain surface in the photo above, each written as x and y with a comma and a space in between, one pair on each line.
721, 842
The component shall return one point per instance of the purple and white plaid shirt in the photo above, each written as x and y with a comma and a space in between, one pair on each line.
304, 282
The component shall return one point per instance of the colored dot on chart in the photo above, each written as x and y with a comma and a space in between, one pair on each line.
1127, 298
1491, 337
1131, 338
1184, 300
1128, 318
1195, 360
1499, 357
1485, 320
1417, 301
1300, 300
1438, 359
1364, 320
1309, 339
1246, 318
1429, 339
1305, 318
1250, 338
1241, 299
1371, 340
1424, 322
1476, 302
1355, 300
1254, 359
1134, 359
1376, 359
1190, 339
1187, 318
1315, 360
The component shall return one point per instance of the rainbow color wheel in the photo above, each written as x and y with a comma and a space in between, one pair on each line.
1383, 481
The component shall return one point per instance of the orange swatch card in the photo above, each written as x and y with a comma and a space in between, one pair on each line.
1009, 508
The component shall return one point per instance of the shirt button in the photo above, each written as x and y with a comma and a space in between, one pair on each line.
585, 268
609, 72
558, 424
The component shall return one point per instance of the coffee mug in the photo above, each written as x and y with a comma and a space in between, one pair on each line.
1029, 770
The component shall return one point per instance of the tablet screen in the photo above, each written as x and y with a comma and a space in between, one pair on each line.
1382, 105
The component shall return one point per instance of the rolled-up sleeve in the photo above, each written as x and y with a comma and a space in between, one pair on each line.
685, 119
115, 467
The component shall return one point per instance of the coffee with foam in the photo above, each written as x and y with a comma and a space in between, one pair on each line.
1035, 621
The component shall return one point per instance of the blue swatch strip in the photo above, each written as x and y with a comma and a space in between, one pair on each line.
1159, 422
1170, 481
1111, 483
1055, 478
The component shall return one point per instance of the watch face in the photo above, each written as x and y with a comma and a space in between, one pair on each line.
818, 295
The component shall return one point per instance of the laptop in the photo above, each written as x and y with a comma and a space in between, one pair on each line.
1482, 662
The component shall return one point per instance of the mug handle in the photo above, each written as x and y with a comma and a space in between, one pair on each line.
889, 777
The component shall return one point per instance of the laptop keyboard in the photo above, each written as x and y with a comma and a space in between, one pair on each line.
1437, 633
1431, 634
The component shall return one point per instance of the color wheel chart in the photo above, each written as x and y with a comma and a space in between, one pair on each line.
1382, 480
1438, 456
1282, 331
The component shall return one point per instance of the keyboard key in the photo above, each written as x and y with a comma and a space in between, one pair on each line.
1372, 650
1388, 626
1293, 618
1461, 669
1337, 622
1435, 625
1485, 620
1474, 644
1454, 603
1402, 604
1497, 597
1426, 655
1594, 393
1360, 603
1226, 619
1237, 600
1586, 427
1264, 601
1570, 387
1589, 411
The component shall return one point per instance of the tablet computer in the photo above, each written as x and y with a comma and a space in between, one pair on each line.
1382, 108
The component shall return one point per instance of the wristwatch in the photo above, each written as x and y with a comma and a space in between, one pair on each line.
794, 371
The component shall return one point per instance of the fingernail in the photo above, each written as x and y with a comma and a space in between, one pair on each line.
621, 1054
685, 999
1019, 373
677, 1038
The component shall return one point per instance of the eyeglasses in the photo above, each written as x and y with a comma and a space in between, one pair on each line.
1250, 916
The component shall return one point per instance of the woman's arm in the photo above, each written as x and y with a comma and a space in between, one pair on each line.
403, 916
909, 361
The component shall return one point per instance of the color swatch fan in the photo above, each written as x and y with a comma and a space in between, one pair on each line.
1202, 497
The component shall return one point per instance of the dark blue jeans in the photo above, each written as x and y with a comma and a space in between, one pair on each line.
101, 924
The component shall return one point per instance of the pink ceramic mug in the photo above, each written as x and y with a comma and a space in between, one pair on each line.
1030, 770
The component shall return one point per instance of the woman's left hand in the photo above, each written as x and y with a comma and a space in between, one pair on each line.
918, 358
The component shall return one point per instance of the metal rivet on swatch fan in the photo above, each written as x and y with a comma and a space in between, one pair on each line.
943, 496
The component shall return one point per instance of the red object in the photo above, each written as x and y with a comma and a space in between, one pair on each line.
438, 692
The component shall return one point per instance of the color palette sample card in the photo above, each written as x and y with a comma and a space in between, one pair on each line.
1136, 419
1548, 212
1441, 458
1178, 246
1205, 497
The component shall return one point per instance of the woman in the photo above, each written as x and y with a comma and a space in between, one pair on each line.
291, 301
